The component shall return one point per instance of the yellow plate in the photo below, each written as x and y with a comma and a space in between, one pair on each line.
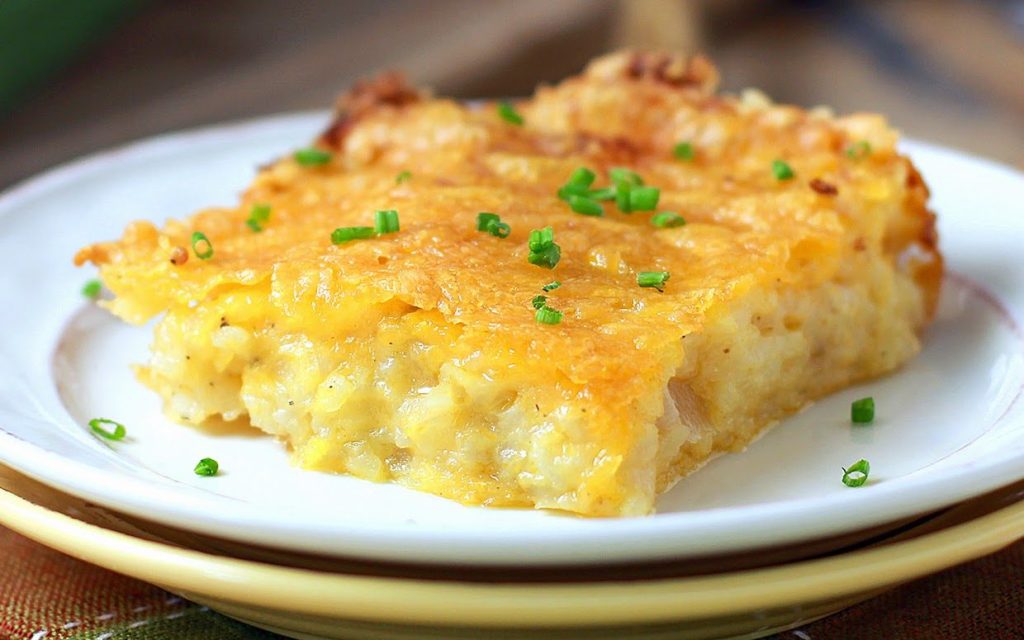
308, 603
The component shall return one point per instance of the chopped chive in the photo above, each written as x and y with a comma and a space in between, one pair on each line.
385, 221
656, 279
485, 219
781, 170
620, 174
118, 433
862, 411
547, 315
551, 286
539, 301
586, 206
667, 220
541, 238
313, 157
92, 289
509, 114
857, 474
259, 215
570, 190
207, 467
859, 149
607, 193
345, 234
644, 198
199, 238
582, 176
622, 201
404, 176
492, 224
543, 250
683, 151
547, 257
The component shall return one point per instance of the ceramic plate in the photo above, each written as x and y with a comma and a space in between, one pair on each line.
949, 425
329, 603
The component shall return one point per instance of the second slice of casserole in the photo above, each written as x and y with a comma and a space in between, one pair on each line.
423, 356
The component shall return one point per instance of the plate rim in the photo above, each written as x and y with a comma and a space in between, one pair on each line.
382, 542
500, 605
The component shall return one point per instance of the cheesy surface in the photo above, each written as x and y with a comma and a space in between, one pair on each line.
415, 356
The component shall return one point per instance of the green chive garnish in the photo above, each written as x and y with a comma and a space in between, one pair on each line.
404, 176
860, 149
541, 238
543, 250
857, 474
539, 301
259, 215
118, 433
667, 220
656, 279
619, 174
586, 206
492, 224
582, 177
578, 185
385, 221
781, 170
313, 157
199, 239
644, 198
546, 258
622, 190
207, 467
547, 315
551, 286
509, 114
92, 289
569, 190
485, 219
607, 193
862, 411
345, 234
683, 151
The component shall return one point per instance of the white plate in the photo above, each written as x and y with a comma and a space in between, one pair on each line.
950, 425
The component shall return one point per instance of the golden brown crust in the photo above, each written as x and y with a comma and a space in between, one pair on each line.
622, 111
466, 160
390, 88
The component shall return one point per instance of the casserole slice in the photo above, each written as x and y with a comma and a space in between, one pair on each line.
789, 253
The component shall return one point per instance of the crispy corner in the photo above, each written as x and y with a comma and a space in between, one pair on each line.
389, 89
140, 235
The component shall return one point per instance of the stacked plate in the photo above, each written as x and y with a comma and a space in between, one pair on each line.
754, 543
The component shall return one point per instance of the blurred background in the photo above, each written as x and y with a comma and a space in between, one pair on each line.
80, 76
